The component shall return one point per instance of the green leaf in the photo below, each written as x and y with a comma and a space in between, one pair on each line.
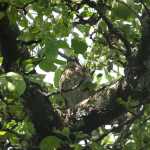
13, 15
28, 65
61, 29
25, 128
37, 78
66, 131
13, 84
62, 44
57, 100
2, 133
77, 147
16, 110
51, 49
96, 146
57, 76
2, 14
130, 145
50, 143
60, 62
47, 65
121, 11
27, 36
79, 45
11, 124
44, 3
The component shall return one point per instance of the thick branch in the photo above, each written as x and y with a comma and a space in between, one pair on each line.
101, 109
40, 110
9, 43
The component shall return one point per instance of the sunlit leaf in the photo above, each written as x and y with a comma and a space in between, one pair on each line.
15, 83
2, 133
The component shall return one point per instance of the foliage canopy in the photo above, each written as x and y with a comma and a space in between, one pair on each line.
98, 51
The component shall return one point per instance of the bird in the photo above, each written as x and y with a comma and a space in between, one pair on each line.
75, 84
